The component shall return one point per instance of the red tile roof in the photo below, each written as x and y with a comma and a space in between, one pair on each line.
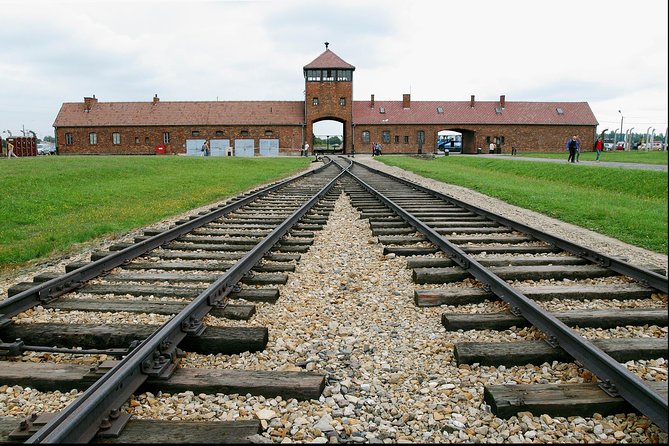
161, 113
181, 113
483, 112
328, 59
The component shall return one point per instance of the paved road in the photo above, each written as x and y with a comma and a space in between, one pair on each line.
660, 167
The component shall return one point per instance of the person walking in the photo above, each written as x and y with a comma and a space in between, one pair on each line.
599, 146
573, 147
10, 150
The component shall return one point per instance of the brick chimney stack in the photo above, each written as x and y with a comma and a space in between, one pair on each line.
371, 103
406, 100
502, 101
156, 99
88, 102
471, 102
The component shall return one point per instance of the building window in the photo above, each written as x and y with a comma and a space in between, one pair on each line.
397, 139
313, 75
344, 75
220, 132
195, 133
315, 101
268, 133
328, 75
166, 138
93, 138
406, 140
136, 139
382, 109
116, 138
365, 136
342, 101
244, 133
147, 140
440, 110
69, 139
386, 137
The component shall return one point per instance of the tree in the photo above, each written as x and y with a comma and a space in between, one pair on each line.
49, 139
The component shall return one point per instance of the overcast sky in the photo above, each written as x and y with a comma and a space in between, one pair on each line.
609, 53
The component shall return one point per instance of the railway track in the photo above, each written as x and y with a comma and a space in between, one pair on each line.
458, 244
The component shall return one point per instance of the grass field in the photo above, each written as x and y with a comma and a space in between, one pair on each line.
49, 204
627, 204
632, 156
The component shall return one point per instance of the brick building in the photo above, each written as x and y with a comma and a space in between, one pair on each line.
262, 128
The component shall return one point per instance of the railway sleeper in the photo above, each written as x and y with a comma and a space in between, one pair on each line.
268, 295
153, 431
288, 384
466, 296
224, 340
444, 262
619, 317
193, 266
539, 352
518, 272
255, 279
559, 400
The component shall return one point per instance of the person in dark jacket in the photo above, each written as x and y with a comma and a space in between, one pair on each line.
573, 145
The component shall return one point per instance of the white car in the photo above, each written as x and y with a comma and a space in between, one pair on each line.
608, 145
43, 149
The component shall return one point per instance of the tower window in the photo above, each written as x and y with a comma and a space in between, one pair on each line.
315, 101
342, 101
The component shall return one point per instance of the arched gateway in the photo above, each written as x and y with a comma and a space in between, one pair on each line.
269, 128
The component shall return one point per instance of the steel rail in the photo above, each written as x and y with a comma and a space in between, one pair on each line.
615, 377
80, 421
57, 286
643, 275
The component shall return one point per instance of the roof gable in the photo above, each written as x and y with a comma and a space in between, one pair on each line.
328, 59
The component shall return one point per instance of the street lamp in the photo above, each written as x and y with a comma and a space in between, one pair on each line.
327, 143
621, 121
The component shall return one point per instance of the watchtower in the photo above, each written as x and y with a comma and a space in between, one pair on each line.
329, 94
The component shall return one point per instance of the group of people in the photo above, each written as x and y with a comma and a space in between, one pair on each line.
376, 149
574, 147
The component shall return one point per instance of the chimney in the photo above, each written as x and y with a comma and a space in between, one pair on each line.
406, 100
156, 99
371, 104
471, 102
88, 102
502, 101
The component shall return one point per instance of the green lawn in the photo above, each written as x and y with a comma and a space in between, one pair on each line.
632, 156
630, 205
51, 203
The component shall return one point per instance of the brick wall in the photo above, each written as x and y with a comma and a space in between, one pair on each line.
290, 138
329, 94
535, 138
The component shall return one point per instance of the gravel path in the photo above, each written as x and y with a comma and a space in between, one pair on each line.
348, 312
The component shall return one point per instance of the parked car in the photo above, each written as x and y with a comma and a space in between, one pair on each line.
43, 149
452, 146
620, 145
608, 145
